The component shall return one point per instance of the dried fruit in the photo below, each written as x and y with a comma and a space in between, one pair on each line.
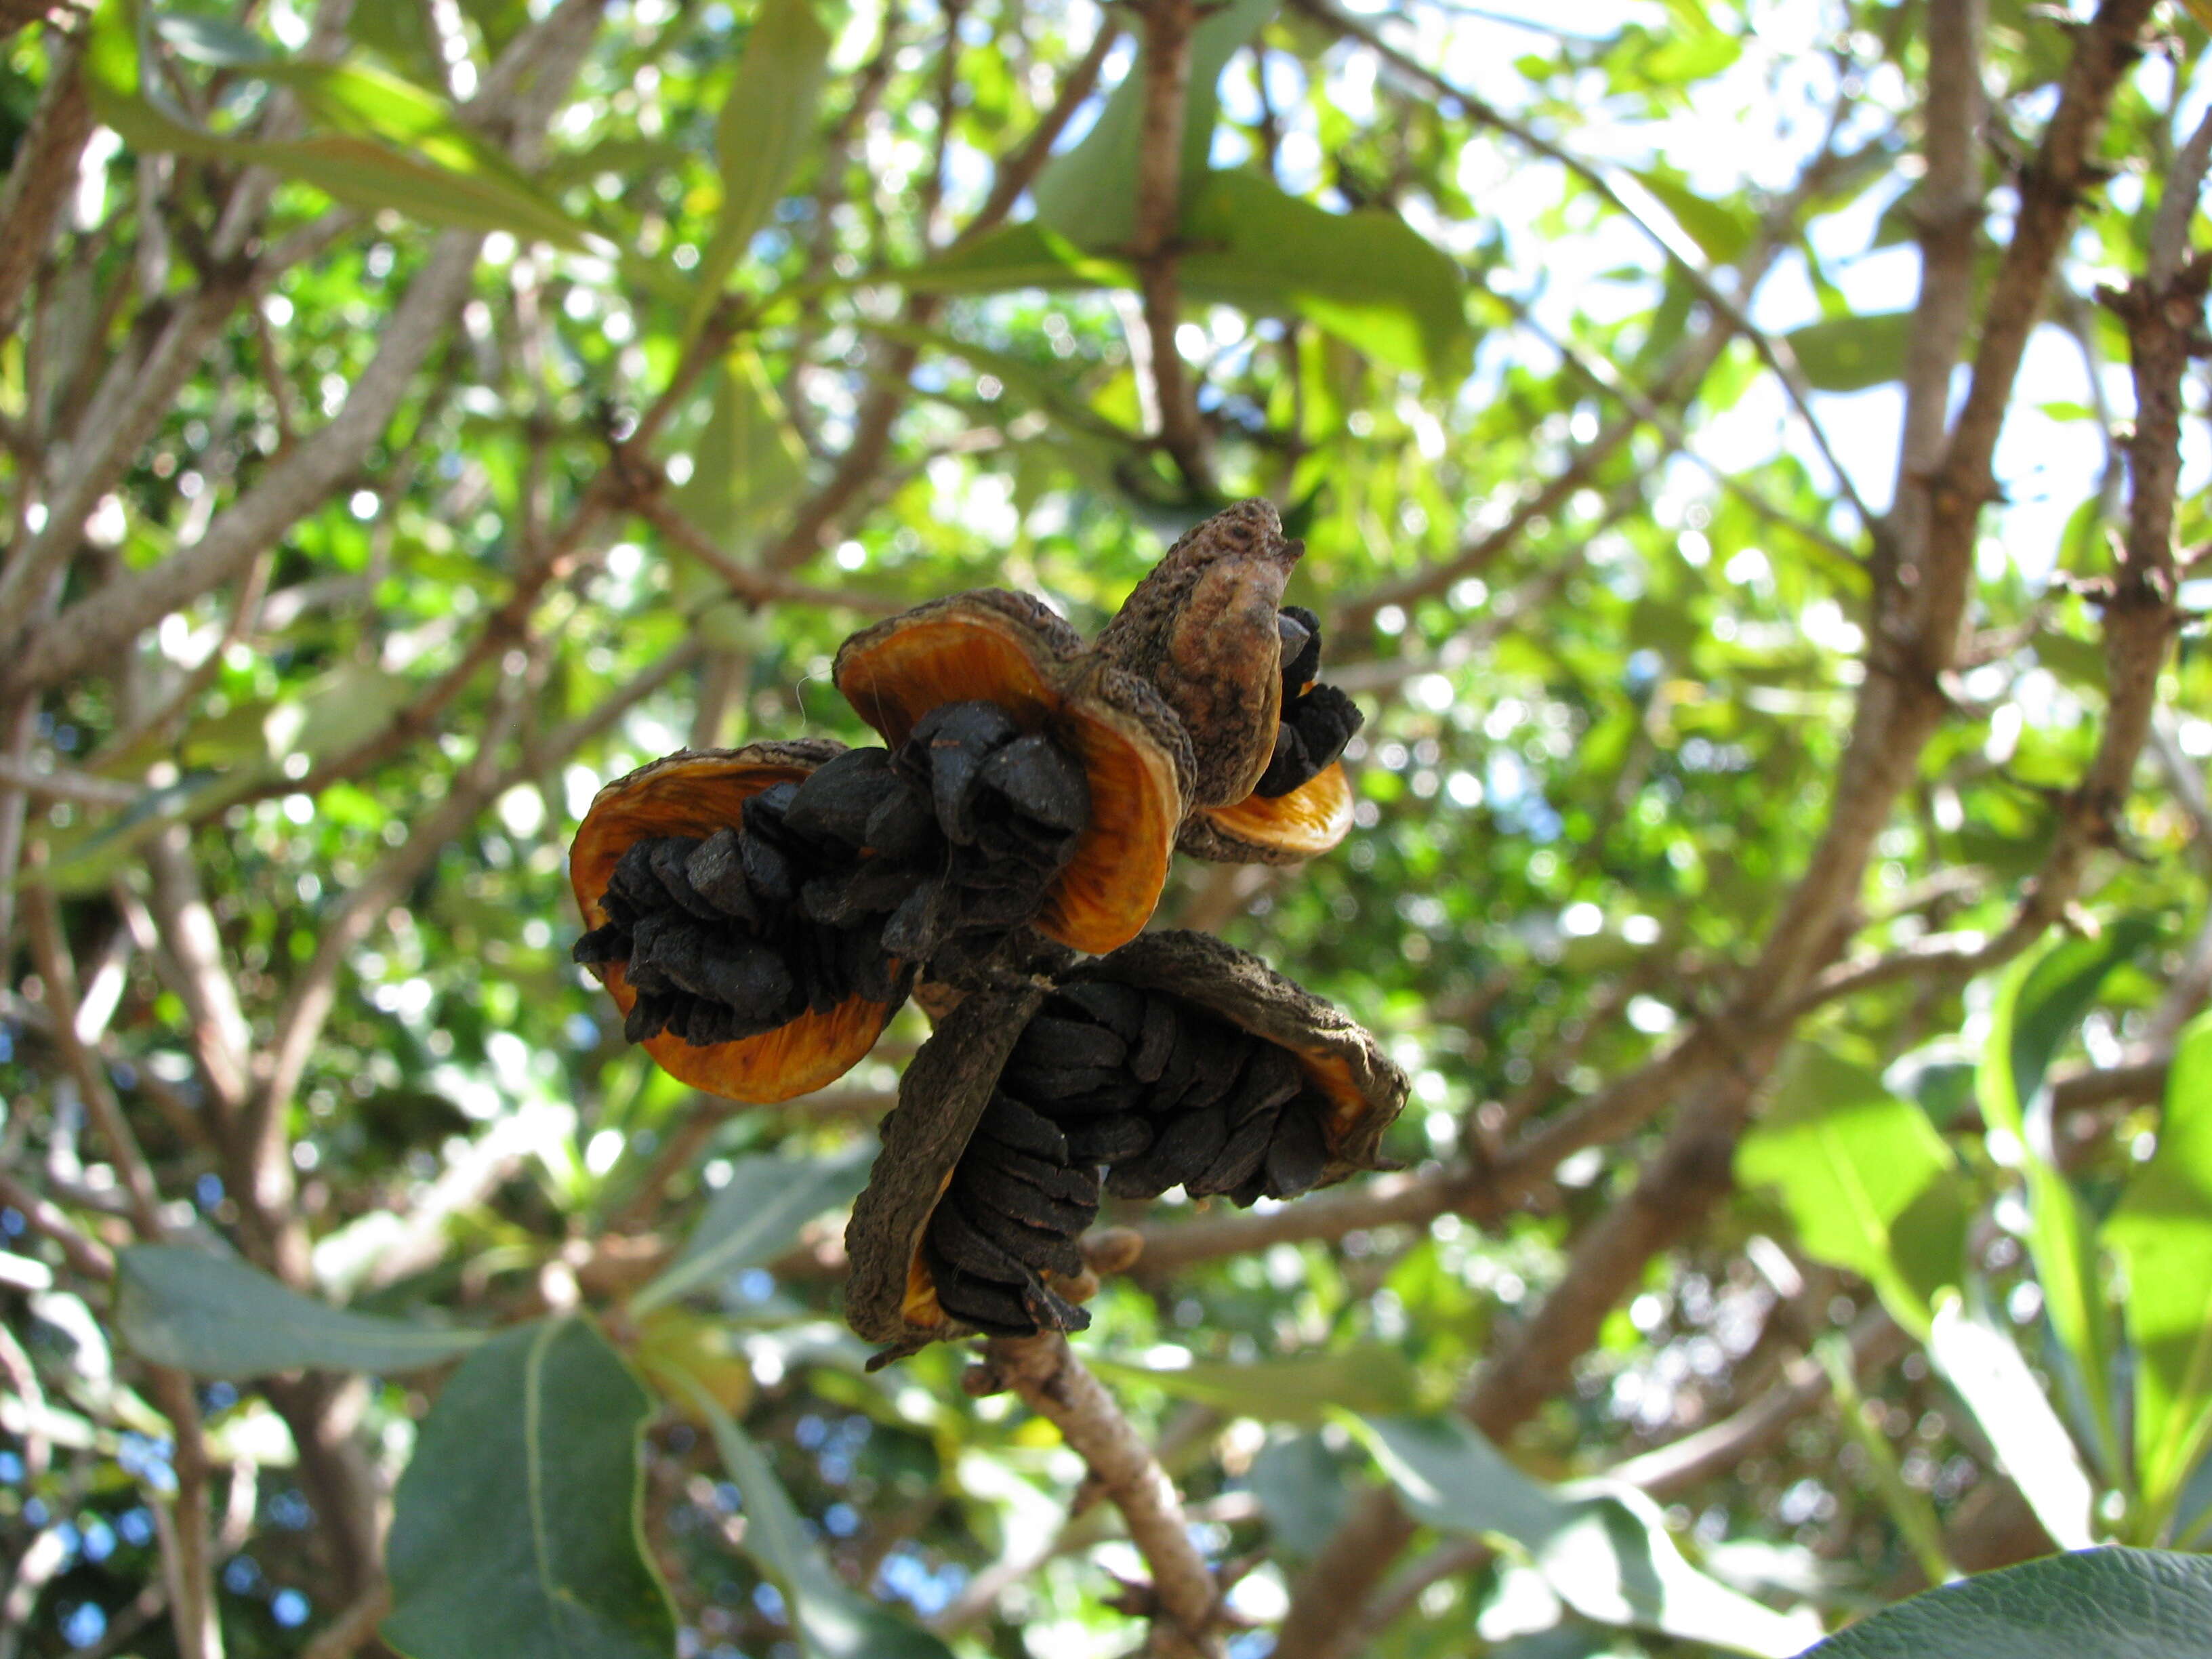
1178, 1061
689, 881
993, 649
1208, 628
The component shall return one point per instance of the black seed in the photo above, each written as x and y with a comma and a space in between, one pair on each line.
607, 943
1111, 1138
1156, 1040
1119, 1008
918, 926
1069, 1109
874, 887
981, 1183
670, 855
648, 1017
1034, 1246
1044, 1082
954, 740
903, 827
741, 973
1270, 1077
1052, 1311
1299, 1154
1057, 1181
768, 871
1300, 629
661, 939
632, 876
716, 872
1243, 1157
993, 1308
1218, 1053
1066, 1042
838, 797
1139, 1178
1188, 1144
1042, 780
958, 1243
1007, 1121
765, 813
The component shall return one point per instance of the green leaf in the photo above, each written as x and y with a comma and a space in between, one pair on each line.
2039, 1006
1296, 1388
2097, 1604
1604, 1550
402, 149
755, 1216
1852, 1163
766, 125
1850, 354
216, 1317
516, 1529
1027, 255
2161, 1234
1300, 1485
2039, 1003
1721, 231
833, 1620
1984, 1366
1089, 193
1367, 277
747, 460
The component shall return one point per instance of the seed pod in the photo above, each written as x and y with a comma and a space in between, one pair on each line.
1208, 629
890, 1295
1364, 1089
1005, 1114
1201, 627
702, 794
1009, 649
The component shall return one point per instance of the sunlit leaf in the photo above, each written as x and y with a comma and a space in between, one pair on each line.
767, 124
1850, 354
1606, 1551
2161, 1234
1089, 193
1852, 1163
1984, 1364
1297, 1388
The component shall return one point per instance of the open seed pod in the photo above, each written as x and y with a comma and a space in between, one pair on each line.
1010, 652
1201, 627
1241, 670
690, 808
1178, 1061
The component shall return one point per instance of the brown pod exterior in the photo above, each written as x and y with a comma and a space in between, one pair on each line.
1011, 649
1201, 629
696, 792
1285, 829
889, 1295
1364, 1085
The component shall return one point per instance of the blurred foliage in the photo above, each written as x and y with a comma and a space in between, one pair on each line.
1578, 558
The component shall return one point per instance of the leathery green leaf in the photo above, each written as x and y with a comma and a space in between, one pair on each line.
516, 1529
2162, 1235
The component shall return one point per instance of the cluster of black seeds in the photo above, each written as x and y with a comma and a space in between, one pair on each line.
1157, 1091
845, 883
1318, 721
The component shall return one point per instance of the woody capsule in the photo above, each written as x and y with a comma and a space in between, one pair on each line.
759, 914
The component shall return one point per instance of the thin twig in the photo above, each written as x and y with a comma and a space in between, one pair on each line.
1053, 1382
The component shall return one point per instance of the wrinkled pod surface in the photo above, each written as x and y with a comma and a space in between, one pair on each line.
1178, 1060
762, 896
1208, 629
